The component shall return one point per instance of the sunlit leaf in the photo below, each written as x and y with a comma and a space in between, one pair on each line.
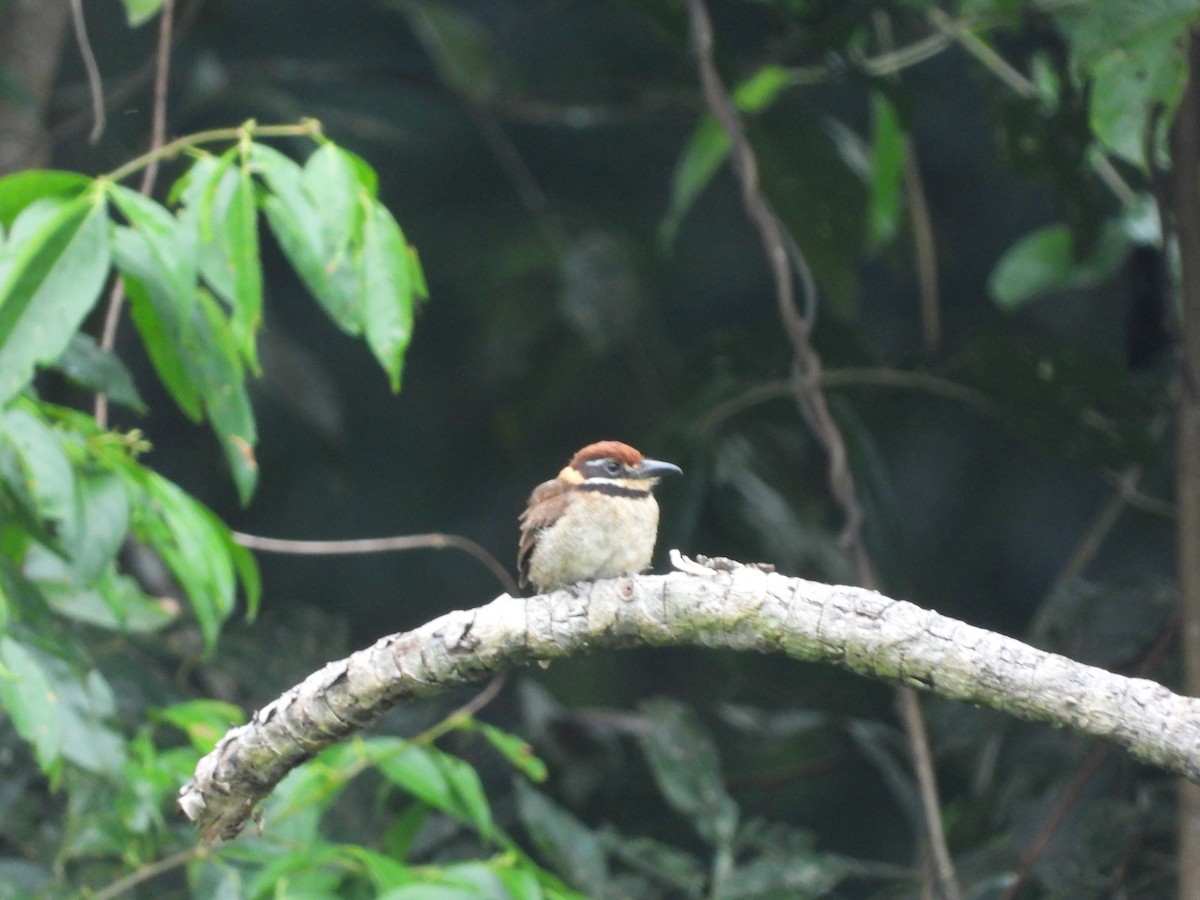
20, 189
1131, 86
1044, 261
50, 281
305, 872
219, 196
516, 750
192, 346
211, 353
170, 243
300, 227
100, 527
884, 204
382, 871
708, 148
1135, 51
203, 721
193, 543
48, 477
443, 781
240, 238
30, 700
138, 12
389, 294
332, 182
158, 317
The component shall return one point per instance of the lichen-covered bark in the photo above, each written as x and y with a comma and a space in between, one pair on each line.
739, 607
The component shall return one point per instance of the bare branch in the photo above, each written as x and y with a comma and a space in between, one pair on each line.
729, 606
158, 137
430, 541
95, 86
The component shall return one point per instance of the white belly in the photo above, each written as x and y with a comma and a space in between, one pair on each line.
602, 539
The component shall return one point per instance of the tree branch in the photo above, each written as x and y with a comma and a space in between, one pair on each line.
717, 604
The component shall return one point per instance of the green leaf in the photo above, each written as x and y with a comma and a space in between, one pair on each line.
219, 196
19, 190
1044, 261
49, 480
159, 327
98, 531
51, 280
887, 172
139, 12
89, 367
382, 871
211, 354
307, 872
300, 227
203, 721
191, 343
334, 184
686, 767
1128, 87
708, 148
240, 240
195, 545
515, 749
109, 600
1096, 30
570, 847
469, 880
87, 708
62, 712
170, 242
443, 781
1134, 51
389, 291
30, 700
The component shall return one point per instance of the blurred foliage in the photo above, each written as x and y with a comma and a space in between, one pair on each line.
594, 277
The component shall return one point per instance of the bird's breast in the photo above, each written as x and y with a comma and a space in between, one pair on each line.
597, 536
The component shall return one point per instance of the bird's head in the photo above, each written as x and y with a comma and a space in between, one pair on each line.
614, 464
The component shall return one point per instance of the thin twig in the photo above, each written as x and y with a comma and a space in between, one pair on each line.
158, 137
920, 220
151, 870
847, 377
467, 711
926, 249
431, 541
95, 86
805, 378
122, 88
1023, 87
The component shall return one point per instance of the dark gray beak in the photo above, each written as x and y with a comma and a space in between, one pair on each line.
656, 468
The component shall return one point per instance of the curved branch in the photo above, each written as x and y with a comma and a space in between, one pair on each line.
717, 604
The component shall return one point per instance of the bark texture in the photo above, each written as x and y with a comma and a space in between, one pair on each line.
722, 605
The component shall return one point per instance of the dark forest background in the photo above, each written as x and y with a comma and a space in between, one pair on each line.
533, 153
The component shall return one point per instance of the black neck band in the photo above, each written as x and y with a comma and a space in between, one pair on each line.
608, 489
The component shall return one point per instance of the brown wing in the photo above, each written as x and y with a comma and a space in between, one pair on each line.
546, 504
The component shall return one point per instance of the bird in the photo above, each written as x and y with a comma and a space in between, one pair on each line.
597, 519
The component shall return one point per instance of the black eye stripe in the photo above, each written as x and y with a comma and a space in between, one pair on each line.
605, 468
